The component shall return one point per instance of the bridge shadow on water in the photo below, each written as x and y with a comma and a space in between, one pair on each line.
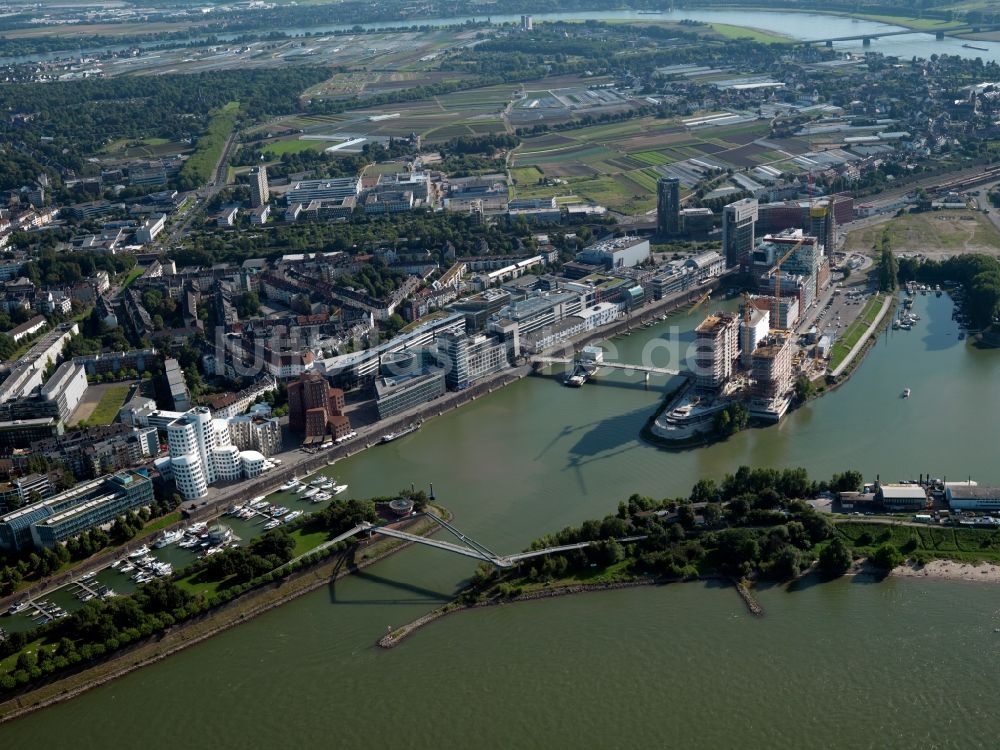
605, 440
419, 594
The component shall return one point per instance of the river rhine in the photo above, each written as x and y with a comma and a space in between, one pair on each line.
902, 663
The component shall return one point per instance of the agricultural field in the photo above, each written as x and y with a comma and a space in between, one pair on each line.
617, 164
934, 234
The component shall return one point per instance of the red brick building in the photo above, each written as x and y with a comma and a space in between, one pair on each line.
315, 408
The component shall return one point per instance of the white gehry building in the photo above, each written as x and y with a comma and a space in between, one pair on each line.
202, 453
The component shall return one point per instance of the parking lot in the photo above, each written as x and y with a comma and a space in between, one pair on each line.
844, 306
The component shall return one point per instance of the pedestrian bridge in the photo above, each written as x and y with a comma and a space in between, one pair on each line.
469, 547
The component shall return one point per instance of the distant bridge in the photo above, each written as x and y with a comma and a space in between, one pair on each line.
866, 39
470, 547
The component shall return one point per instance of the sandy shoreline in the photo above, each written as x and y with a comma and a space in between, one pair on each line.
949, 570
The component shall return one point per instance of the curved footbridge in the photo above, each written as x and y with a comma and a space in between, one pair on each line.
467, 547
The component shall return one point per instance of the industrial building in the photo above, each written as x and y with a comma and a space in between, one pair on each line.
963, 496
904, 497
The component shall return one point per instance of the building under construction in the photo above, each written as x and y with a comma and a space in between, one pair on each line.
771, 374
716, 349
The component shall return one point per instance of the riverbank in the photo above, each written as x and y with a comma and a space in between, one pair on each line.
193, 632
950, 570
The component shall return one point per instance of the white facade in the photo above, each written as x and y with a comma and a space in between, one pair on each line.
66, 387
150, 228
202, 453
253, 463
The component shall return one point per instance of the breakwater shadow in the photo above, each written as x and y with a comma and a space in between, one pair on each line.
421, 594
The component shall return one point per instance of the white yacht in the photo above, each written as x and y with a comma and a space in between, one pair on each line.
169, 537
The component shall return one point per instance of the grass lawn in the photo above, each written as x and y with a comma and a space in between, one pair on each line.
134, 274
160, 523
111, 401
307, 538
742, 32
855, 331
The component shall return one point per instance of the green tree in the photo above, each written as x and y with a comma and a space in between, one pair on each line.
887, 557
835, 559
804, 388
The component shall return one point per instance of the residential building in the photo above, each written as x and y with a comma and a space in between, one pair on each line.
102, 449
179, 393
227, 217
66, 388
233, 404
715, 350
259, 192
259, 215
27, 328
771, 372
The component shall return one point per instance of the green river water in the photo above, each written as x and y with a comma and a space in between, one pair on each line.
901, 663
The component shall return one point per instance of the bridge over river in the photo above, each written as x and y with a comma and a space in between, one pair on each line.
468, 547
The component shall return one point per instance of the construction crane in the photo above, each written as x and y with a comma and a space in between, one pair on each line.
700, 301
776, 272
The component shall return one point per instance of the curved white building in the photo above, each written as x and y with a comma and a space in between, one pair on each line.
189, 476
253, 463
226, 463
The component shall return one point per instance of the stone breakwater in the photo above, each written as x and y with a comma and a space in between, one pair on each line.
394, 638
